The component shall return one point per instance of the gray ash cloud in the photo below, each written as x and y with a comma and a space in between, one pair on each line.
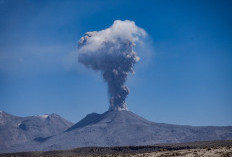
110, 51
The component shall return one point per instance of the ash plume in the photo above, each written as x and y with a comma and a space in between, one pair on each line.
110, 51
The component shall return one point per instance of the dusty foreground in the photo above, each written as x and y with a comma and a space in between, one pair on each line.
195, 149
215, 152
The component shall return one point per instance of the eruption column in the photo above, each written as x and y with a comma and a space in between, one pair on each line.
111, 52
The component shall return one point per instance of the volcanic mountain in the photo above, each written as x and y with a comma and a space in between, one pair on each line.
124, 128
18, 130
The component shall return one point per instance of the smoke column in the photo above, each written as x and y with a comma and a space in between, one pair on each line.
111, 52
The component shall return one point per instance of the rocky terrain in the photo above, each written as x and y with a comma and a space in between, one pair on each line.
195, 149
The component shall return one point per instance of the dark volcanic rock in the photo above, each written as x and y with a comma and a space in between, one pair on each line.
18, 130
124, 128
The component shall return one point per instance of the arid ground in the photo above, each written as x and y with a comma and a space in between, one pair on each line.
195, 149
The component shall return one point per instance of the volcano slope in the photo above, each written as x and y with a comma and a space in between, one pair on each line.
124, 128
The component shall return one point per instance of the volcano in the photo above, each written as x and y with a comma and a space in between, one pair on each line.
124, 128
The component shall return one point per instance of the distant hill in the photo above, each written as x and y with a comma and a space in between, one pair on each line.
18, 130
124, 128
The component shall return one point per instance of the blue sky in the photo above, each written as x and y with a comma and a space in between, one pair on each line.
185, 78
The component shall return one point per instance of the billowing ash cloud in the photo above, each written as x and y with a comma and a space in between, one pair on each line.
111, 52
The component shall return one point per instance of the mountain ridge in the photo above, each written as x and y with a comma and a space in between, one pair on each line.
124, 128
18, 130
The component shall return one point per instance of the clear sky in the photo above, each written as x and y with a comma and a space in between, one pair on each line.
186, 78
